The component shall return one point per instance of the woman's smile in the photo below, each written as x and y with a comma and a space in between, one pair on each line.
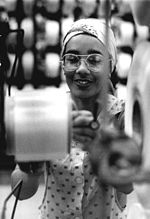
83, 83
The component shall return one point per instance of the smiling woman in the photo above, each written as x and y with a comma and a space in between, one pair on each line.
72, 188
84, 82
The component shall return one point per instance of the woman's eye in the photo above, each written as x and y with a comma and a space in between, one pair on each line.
94, 60
72, 59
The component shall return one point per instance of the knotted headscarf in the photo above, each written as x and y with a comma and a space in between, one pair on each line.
97, 28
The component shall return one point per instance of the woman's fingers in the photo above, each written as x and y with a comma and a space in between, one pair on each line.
81, 128
81, 118
84, 113
84, 131
84, 136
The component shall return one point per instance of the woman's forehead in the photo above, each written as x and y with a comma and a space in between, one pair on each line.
85, 43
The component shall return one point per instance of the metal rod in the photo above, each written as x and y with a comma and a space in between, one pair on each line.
107, 65
105, 88
18, 185
17, 198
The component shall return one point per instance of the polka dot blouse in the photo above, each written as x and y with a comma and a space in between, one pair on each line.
73, 192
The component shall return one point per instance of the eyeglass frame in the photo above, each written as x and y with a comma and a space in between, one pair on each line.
85, 60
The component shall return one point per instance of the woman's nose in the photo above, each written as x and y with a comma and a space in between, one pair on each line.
83, 67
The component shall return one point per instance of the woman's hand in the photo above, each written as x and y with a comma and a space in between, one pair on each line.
82, 130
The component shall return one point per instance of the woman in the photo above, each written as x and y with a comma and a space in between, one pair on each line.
72, 190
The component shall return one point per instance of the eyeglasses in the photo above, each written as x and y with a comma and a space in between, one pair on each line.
71, 62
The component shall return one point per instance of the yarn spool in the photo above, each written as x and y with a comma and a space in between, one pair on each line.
68, 7
52, 6
52, 65
28, 64
28, 27
52, 32
37, 124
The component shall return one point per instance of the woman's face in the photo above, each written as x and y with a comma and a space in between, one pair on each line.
82, 82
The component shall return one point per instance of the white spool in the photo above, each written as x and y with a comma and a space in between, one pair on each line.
28, 27
28, 64
28, 7
126, 34
52, 65
88, 7
37, 124
13, 23
68, 7
52, 5
66, 24
52, 32
40, 23
10, 5
137, 119
2, 3
123, 64
140, 12
12, 37
142, 33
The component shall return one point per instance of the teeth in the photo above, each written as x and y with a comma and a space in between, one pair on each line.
83, 82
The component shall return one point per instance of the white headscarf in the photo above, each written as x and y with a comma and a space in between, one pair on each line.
96, 28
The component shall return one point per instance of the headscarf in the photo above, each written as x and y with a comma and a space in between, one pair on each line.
97, 28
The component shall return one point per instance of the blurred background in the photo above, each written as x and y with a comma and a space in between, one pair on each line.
44, 23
